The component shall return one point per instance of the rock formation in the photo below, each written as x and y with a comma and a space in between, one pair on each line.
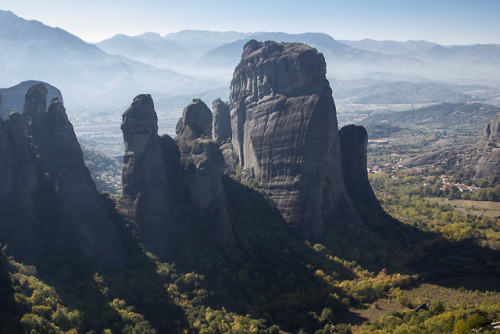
221, 129
353, 143
488, 163
155, 169
56, 209
202, 164
284, 130
147, 176
483, 157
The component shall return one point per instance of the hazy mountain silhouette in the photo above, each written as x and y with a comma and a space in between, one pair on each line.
477, 54
31, 49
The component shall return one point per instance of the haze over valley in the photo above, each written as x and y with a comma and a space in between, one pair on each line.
97, 81
250, 167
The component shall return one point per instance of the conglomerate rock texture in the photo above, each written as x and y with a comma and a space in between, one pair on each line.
54, 206
284, 130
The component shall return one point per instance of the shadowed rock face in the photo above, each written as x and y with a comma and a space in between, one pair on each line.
55, 198
353, 142
202, 163
147, 176
284, 130
221, 129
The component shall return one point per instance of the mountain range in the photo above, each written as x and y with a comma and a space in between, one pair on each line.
99, 79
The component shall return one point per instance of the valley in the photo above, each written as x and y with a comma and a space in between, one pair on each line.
309, 198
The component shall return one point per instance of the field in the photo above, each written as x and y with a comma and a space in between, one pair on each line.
476, 208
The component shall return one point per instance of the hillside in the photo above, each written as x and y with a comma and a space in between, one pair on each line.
462, 117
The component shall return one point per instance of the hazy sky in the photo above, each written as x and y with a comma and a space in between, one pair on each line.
442, 21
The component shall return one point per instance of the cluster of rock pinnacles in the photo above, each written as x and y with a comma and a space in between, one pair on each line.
282, 128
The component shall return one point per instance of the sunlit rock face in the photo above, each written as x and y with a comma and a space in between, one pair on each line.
147, 176
202, 163
54, 206
488, 163
284, 130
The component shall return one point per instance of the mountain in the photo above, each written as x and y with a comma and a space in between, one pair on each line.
342, 59
13, 97
464, 117
198, 42
483, 157
477, 54
32, 50
149, 48
400, 92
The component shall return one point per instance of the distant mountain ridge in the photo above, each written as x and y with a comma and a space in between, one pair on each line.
31, 49
466, 117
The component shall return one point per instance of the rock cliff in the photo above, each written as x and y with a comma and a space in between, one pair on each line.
488, 163
147, 176
483, 157
353, 143
202, 164
55, 207
284, 130
156, 169
221, 130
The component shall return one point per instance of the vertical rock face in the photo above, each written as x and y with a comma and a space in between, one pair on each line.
221, 129
147, 182
353, 142
488, 163
284, 130
202, 163
56, 209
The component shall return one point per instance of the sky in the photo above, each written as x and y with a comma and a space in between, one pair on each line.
447, 22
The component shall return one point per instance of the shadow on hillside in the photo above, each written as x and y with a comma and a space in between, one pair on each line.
270, 274
115, 298
398, 247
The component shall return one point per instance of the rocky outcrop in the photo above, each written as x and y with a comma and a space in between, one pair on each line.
483, 157
353, 143
284, 130
56, 209
155, 169
221, 129
202, 163
147, 177
488, 163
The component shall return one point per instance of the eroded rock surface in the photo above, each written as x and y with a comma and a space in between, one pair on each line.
353, 142
55, 207
202, 163
488, 163
147, 177
284, 130
221, 130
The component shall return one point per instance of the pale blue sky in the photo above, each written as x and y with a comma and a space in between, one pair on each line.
442, 21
